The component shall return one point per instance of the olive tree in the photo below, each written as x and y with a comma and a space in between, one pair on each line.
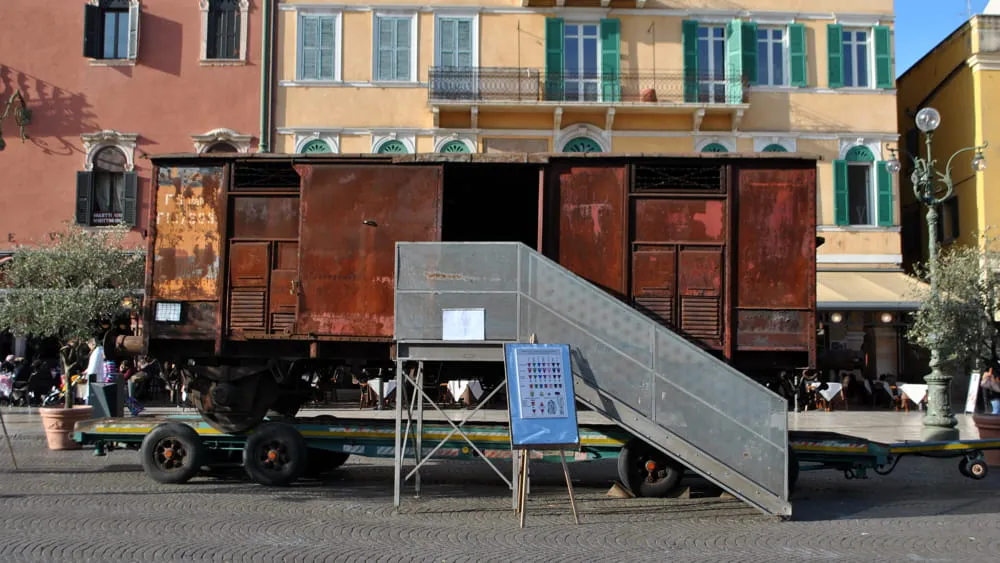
959, 317
65, 288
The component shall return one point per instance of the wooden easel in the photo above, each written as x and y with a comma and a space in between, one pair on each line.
522, 487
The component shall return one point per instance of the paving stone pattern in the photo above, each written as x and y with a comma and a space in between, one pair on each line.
71, 506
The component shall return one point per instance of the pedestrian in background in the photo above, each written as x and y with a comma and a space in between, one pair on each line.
991, 387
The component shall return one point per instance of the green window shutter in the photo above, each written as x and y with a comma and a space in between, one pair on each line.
750, 51
841, 210
797, 55
689, 41
402, 59
835, 55
133, 31
92, 32
131, 198
885, 204
883, 57
327, 31
84, 189
447, 28
309, 47
554, 32
734, 62
610, 60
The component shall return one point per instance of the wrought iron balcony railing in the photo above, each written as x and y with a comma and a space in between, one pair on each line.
496, 84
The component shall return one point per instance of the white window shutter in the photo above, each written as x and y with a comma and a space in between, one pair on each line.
133, 30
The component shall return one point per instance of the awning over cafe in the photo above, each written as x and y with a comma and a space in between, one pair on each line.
892, 291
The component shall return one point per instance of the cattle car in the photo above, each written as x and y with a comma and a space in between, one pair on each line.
263, 269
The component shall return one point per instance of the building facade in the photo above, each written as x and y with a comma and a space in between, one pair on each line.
500, 76
957, 77
152, 76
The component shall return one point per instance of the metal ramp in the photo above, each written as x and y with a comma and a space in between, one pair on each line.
649, 380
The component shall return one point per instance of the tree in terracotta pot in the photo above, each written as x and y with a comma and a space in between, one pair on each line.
960, 319
70, 287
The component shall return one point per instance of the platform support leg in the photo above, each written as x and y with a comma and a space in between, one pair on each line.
398, 464
418, 445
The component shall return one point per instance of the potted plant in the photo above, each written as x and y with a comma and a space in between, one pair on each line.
65, 289
960, 319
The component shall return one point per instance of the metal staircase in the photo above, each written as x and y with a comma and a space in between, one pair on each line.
646, 378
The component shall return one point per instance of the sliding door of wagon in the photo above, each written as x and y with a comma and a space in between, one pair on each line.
678, 258
352, 217
263, 264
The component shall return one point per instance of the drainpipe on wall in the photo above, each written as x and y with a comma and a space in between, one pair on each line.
266, 72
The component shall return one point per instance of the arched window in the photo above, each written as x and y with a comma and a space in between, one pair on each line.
316, 146
775, 148
221, 147
455, 147
392, 147
107, 203
714, 147
582, 144
857, 198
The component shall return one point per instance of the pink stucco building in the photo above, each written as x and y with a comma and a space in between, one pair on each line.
110, 82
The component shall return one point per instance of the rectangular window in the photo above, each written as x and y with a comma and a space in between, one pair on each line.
771, 56
223, 40
111, 30
857, 63
394, 36
712, 64
859, 194
317, 47
581, 52
455, 43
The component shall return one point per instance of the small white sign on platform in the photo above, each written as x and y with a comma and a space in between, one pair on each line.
970, 399
463, 324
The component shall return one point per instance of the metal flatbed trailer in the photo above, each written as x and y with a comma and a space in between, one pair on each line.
174, 448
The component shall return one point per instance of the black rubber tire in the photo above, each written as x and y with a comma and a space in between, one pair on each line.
172, 453
963, 467
275, 454
793, 471
633, 474
978, 469
324, 461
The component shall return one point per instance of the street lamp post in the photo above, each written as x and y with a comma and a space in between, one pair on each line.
932, 188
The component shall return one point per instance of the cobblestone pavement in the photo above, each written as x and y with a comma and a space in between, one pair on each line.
71, 506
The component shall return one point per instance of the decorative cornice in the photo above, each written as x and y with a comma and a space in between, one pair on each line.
204, 141
93, 142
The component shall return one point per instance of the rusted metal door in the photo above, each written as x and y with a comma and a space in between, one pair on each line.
263, 264
678, 264
352, 217
776, 255
588, 237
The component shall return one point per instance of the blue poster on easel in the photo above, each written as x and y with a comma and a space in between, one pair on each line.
540, 395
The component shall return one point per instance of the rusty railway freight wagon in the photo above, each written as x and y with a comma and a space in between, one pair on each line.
266, 268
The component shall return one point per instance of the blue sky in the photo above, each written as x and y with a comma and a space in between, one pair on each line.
922, 24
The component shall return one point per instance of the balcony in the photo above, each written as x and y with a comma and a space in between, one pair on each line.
528, 89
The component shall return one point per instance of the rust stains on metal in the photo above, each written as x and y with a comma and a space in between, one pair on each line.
681, 220
185, 252
351, 218
588, 202
776, 248
265, 217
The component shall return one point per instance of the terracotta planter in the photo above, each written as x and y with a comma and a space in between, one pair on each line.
59, 423
647, 95
989, 429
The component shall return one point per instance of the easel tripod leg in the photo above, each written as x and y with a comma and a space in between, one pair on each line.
569, 485
523, 500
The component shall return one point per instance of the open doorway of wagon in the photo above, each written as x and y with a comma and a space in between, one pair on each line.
491, 202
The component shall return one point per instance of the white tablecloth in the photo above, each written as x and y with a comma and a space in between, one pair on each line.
831, 391
458, 387
916, 392
388, 386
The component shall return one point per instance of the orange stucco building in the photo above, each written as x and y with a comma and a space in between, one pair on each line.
109, 82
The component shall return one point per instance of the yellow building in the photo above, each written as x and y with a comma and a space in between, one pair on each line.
683, 76
958, 77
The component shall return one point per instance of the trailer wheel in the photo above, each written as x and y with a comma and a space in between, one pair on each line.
647, 471
976, 469
172, 453
324, 461
275, 454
